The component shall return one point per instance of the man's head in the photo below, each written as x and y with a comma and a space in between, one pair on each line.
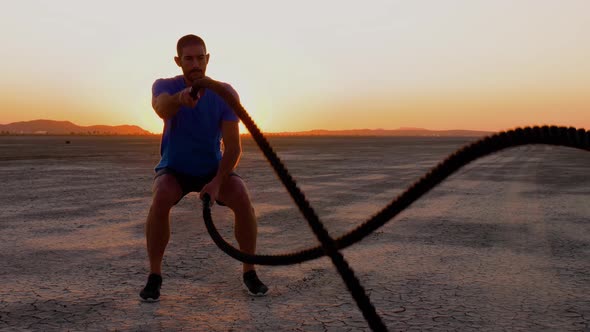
192, 57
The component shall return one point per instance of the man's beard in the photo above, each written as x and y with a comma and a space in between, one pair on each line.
194, 74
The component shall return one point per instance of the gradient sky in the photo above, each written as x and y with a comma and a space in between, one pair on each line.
301, 65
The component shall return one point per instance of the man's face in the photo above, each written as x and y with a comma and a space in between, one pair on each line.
193, 62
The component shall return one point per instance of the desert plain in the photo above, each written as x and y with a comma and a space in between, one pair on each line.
502, 245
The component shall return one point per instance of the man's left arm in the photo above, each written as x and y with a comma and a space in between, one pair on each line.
232, 150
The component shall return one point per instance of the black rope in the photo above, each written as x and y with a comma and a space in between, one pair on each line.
562, 136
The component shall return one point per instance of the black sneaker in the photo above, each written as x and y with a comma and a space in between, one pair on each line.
254, 285
151, 291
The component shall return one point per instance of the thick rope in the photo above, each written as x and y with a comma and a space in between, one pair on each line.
328, 245
562, 136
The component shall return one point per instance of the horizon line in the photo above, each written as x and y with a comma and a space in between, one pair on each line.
267, 132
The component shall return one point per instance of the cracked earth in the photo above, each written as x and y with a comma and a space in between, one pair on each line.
504, 244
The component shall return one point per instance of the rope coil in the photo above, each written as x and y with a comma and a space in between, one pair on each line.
551, 135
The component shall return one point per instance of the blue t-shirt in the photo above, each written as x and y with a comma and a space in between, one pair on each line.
191, 141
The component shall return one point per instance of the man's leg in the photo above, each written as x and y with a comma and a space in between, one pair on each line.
234, 194
166, 192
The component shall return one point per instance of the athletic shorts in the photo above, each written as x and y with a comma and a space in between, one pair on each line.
190, 183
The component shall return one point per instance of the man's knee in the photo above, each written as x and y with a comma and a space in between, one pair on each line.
161, 202
166, 193
242, 204
235, 195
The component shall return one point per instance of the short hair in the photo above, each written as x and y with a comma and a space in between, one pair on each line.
189, 40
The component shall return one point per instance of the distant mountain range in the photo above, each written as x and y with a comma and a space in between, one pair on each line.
51, 127
386, 132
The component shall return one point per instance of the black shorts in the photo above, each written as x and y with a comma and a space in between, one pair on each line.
190, 183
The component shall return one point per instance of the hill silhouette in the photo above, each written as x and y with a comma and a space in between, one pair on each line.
385, 132
51, 127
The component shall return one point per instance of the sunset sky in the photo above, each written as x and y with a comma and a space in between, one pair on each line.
302, 65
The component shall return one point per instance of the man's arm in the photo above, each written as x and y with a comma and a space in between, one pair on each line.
232, 150
167, 105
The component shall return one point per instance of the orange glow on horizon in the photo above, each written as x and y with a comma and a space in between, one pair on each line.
373, 65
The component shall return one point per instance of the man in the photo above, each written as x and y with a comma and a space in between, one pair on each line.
192, 161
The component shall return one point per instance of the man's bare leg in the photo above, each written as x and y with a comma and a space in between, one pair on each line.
234, 194
166, 192
246, 231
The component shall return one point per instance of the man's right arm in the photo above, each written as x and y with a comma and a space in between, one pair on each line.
167, 105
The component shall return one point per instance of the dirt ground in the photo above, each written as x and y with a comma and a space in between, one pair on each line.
504, 244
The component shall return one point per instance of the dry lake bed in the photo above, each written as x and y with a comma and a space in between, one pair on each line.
502, 245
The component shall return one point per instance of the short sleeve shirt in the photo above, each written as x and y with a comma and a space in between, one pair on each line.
191, 140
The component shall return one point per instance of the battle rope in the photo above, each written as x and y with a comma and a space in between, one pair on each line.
562, 136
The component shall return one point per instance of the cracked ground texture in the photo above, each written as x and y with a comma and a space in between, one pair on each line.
502, 245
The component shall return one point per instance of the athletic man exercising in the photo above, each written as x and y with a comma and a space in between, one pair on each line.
192, 161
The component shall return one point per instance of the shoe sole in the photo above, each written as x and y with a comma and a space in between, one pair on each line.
149, 300
256, 294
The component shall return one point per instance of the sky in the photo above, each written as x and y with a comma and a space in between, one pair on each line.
303, 65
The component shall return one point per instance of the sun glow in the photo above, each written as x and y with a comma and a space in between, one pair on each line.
379, 64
